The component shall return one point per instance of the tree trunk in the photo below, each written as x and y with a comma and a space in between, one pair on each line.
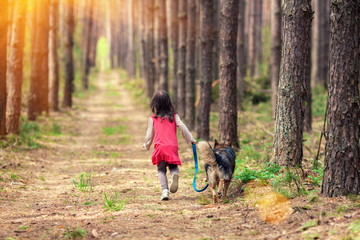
342, 153
88, 22
258, 15
130, 48
215, 50
241, 58
182, 58
320, 43
289, 115
162, 46
141, 33
275, 54
207, 43
53, 56
94, 34
39, 77
68, 56
174, 6
190, 65
251, 38
149, 38
15, 67
227, 86
3, 65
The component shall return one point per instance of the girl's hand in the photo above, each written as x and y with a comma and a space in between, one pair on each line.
194, 142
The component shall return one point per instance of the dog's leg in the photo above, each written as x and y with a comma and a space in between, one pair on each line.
226, 187
221, 188
213, 194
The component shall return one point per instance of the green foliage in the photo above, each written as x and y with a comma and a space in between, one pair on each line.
309, 224
14, 176
74, 233
84, 184
109, 131
269, 172
102, 54
355, 226
114, 203
319, 99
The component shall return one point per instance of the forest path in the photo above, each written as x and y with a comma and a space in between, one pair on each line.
102, 137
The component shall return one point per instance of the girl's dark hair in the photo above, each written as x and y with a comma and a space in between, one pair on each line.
161, 105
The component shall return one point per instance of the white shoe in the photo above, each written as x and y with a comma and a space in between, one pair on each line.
165, 195
174, 183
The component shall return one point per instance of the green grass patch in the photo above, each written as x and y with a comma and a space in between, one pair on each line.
309, 224
109, 131
114, 203
84, 183
74, 233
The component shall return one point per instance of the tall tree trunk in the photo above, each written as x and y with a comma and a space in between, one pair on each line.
149, 37
182, 58
53, 56
130, 48
258, 14
69, 59
275, 54
251, 38
3, 65
174, 5
289, 116
141, 33
227, 98
39, 77
15, 67
162, 45
342, 153
320, 43
207, 43
88, 22
215, 50
241, 57
190, 65
94, 34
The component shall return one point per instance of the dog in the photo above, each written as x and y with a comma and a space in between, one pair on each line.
219, 166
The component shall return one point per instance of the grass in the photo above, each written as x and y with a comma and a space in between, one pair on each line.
203, 200
74, 233
109, 131
113, 203
84, 183
309, 224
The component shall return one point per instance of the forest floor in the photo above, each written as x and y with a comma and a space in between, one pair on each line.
101, 139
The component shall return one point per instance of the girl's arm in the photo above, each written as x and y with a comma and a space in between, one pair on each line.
184, 130
150, 133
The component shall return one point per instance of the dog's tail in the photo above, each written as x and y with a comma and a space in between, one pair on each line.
206, 153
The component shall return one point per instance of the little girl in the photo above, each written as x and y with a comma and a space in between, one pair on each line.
162, 130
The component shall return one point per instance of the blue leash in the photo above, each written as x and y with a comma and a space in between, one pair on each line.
196, 170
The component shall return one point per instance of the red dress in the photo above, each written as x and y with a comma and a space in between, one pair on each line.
165, 142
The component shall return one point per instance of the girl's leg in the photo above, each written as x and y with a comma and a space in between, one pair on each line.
174, 171
162, 175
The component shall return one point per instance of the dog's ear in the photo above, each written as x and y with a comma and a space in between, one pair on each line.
216, 143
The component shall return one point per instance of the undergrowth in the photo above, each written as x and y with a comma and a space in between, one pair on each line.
114, 203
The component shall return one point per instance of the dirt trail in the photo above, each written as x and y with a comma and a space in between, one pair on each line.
43, 203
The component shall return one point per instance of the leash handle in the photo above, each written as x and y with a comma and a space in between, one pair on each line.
196, 170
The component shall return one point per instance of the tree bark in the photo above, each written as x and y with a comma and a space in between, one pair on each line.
228, 65
342, 153
39, 76
174, 6
320, 43
15, 67
190, 65
3, 64
87, 26
130, 48
207, 43
162, 46
241, 57
149, 37
141, 33
182, 58
53, 56
69, 59
289, 115
275, 54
